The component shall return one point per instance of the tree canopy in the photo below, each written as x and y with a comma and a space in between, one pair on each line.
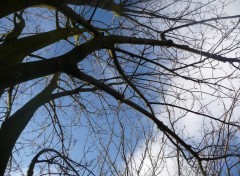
119, 87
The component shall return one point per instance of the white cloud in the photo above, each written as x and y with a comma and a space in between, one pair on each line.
209, 103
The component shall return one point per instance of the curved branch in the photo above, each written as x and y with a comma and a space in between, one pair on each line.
7, 7
74, 71
14, 52
113, 55
199, 22
27, 71
13, 126
65, 159
17, 30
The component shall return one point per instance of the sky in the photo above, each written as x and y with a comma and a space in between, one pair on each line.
190, 122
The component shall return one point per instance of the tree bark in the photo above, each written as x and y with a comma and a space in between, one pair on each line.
13, 126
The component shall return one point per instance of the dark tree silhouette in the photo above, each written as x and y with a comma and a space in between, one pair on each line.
122, 87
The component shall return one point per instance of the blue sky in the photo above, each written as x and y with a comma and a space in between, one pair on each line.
103, 122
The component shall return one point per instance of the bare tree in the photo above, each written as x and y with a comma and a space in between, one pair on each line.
103, 87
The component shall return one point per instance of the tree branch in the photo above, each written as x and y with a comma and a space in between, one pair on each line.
13, 126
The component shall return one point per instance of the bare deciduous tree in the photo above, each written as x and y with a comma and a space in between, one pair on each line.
123, 87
